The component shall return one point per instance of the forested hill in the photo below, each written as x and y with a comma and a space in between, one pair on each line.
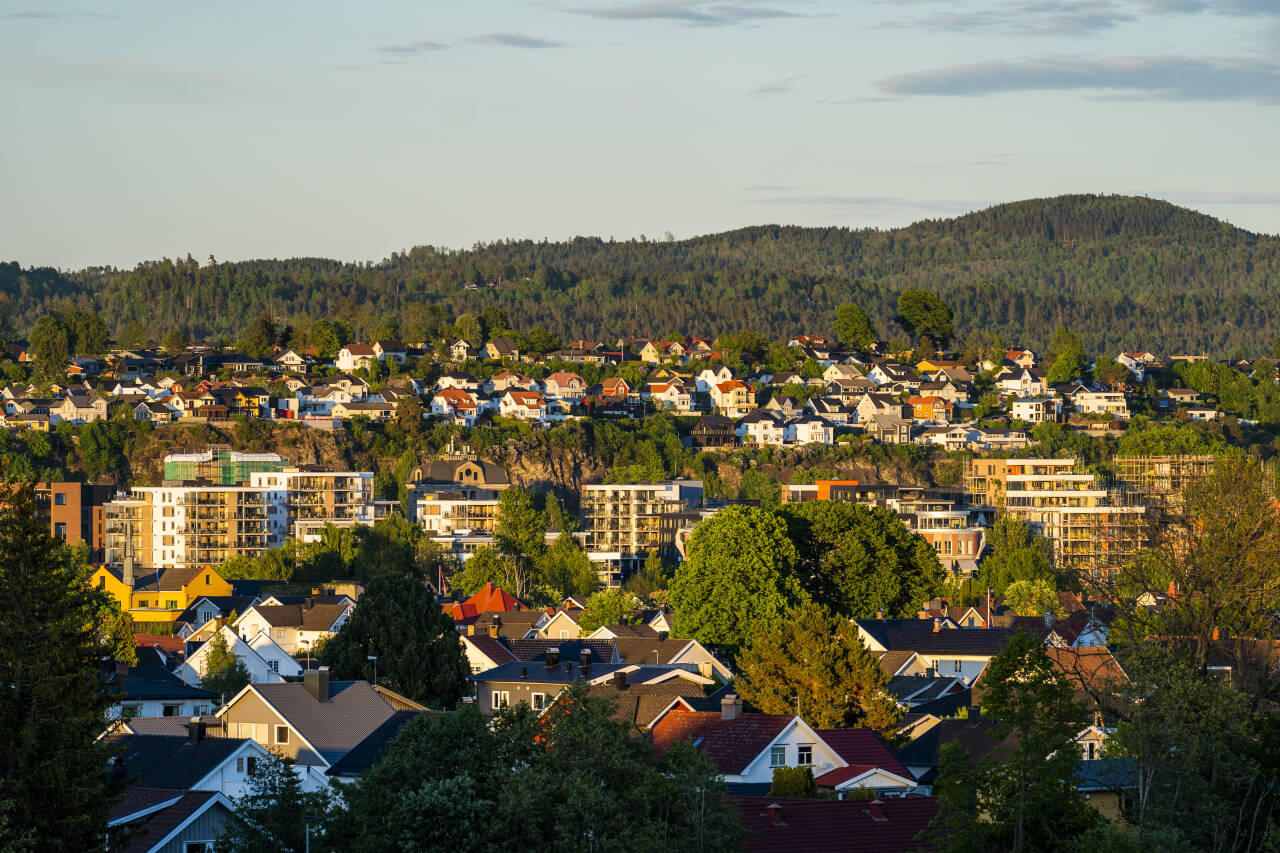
1127, 272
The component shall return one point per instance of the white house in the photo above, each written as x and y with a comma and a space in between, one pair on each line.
712, 376
523, 405
266, 661
809, 430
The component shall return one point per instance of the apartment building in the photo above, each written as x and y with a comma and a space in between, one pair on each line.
206, 524
621, 523
1092, 526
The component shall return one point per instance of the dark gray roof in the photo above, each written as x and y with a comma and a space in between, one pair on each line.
320, 617
353, 712
171, 761
641, 703
152, 682
172, 726
602, 651
917, 635
226, 604
369, 751
568, 671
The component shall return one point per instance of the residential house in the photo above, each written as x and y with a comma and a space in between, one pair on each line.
713, 431
954, 391
157, 820
195, 761
1037, 410
733, 399
501, 348
830, 409
290, 361
485, 651
1020, 357
888, 372
808, 429
1111, 403
712, 376
460, 407
1137, 363
670, 395
462, 350
523, 405
156, 413
151, 690
870, 405
355, 357
939, 648
762, 428
294, 627
747, 748
159, 595
1021, 382
375, 411
888, 429
565, 386
316, 722
80, 408
930, 408
264, 658
391, 351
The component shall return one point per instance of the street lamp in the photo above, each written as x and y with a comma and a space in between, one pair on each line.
306, 829
374, 658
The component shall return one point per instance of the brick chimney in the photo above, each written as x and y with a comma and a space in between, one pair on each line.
317, 683
553, 657
775, 814
937, 625
876, 809
195, 730
730, 707
620, 679
584, 658
493, 630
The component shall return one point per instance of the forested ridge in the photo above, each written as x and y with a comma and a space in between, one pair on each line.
1122, 272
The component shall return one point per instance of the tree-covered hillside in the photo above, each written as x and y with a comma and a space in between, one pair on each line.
1127, 272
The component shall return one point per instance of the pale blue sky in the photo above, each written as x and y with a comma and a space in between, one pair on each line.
279, 128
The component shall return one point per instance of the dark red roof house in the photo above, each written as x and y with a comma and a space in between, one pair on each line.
783, 824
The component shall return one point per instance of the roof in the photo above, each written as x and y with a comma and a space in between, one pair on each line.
171, 761
731, 744
368, 752
335, 727
319, 617
359, 349
153, 682
602, 651
918, 635
642, 703
893, 660
491, 647
491, 598
158, 825
863, 747
808, 825
973, 734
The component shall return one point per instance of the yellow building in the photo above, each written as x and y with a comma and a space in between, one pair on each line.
159, 595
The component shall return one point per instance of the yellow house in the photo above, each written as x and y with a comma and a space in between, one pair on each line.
160, 595
932, 365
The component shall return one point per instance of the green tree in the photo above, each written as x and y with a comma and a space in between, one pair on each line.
116, 631
51, 345
854, 328
567, 570
53, 703
274, 814
1111, 373
416, 643
1016, 554
260, 336
1033, 598
521, 537
328, 337
174, 341
467, 327
857, 559
653, 576
607, 607
102, 450
409, 415
759, 486
814, 664
1069, 360
558, 518
134, 334
1027, 800
793, 782
740, 575
485, 565
224, 672
924, 315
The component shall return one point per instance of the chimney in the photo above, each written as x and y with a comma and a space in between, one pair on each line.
620, 679
471, 630
493, 630
876, 810
880, 613
553, 657
1048, 619
775, 814
317, 683
524, 672
311, 602
195, 730
584, 658
662, 635
315, 590
937, 625
730, 707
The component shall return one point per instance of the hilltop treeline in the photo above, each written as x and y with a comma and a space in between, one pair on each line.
1127, 272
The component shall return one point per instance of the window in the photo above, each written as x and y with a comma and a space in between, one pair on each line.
804, 755
778, 755
239, 765
252, 763
208, 579
60, 499
173, 710
539, 701
197, 847
958, 667
501, 698
282, 734
273, 665
60, 530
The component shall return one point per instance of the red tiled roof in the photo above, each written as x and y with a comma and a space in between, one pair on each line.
359, 349
811, 825
461, 611
731, 744
169, 643
492, 599
863, 747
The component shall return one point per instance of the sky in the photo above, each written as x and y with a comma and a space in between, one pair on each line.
282, 128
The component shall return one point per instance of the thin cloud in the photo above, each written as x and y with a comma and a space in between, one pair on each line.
40, 15
1166, 78
516, 40
1037, 17
692, 12
413, 48
1242, 8
784, 86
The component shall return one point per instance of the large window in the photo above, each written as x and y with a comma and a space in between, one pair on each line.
501, 699
804, 755
539, 701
